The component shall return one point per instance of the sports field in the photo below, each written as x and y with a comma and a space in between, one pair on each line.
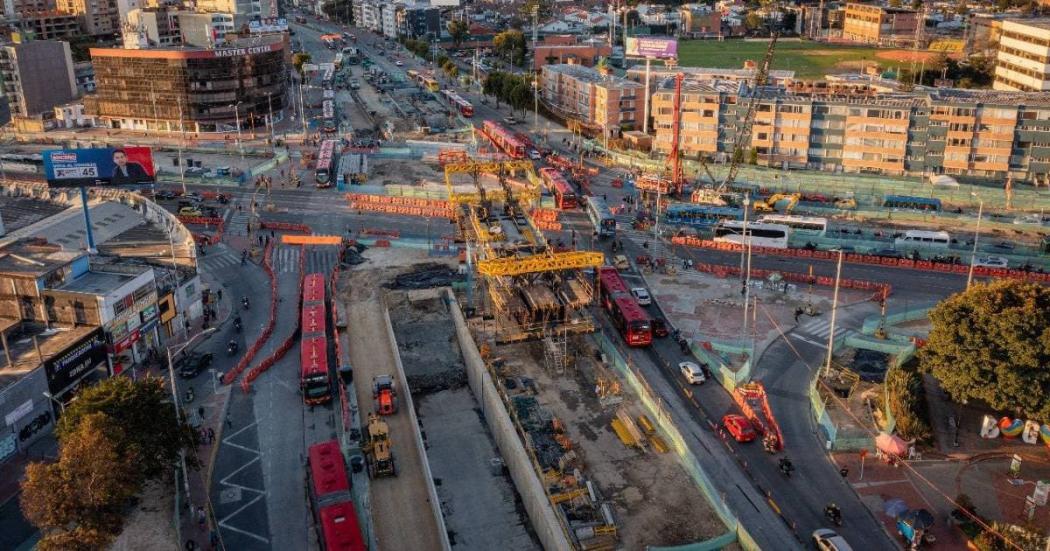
807, 59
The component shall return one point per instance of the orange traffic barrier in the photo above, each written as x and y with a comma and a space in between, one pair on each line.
311, 240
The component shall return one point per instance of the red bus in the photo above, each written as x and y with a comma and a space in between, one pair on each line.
457, 102
329, 485
504, 139
564, 196
325, 164
327, 469
313, 372
314, 379
632, 320
629, 317
340, 530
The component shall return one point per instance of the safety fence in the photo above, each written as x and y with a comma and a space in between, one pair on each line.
728, 377
753, 393
232, 374
220, 228
288, 343
875, 260
407, 206
881, 290
344, 400
872, 323
286, 226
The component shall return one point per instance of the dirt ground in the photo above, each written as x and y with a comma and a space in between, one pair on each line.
427, 342
149, 525
399, 171
655, 502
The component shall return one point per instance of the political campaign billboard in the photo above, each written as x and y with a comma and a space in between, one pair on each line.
106, 166
655, 47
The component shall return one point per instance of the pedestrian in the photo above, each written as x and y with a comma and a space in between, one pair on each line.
219, 293
211, 435
200, 411
201, 516
191, 545
229, 422
260, 240
213, 539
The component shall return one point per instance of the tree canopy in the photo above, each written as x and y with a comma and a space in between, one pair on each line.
459, 30
510, 45
152, 433
992, 343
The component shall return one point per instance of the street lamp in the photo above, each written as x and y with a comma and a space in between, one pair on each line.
976, 236
834, 312
237, 113
175, 396
61, 405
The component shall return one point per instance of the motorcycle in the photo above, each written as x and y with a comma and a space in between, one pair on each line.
231, 348
834, 515
245, 303
786, 467
188, 398
237, 325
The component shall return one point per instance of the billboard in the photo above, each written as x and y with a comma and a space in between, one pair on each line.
106, 166
77, 361
269, 25
659, 48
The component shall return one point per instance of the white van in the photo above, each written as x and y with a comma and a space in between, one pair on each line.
922, 239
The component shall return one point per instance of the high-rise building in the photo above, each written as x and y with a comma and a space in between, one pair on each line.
52, 25
604, 103
200, 89
419, 21
99, 17
242, 10
37, 75
18, 9
1023, 59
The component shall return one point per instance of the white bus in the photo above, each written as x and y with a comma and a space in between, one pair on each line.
922, 239
762, 234
811, 225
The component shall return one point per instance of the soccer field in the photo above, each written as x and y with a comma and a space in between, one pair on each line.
807, 59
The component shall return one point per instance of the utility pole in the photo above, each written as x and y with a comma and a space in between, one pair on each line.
182, 127
834, 313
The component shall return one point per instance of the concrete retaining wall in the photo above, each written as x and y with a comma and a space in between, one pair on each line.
406, 397
542, 516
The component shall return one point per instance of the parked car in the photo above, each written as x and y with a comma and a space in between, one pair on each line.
991, 261
828, 540
399, 63
165, 195
621, 262
190, 211
739, 427
642, 296
510, 120
692, 373
660, 328
194, 364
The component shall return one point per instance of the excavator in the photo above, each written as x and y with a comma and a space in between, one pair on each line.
769, 204
377, 449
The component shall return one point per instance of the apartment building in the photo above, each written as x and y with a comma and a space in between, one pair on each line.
419, 21
37, 75
699, 21
20, 9
604, 103
851, 127
873, 24
586, 54
99, 17
51, 25
1023, 58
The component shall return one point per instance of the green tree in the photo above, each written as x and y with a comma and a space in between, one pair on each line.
493, 85
520, 96
754, 22
907, 401
152, 433
77, 502
298, 60
992, 343
459, 30
510, 45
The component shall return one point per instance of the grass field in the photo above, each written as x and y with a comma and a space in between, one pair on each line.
807, 59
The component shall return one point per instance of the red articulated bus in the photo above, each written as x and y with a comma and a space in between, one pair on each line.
331, 500
457, 102
314, 380
504, 139
564, 196
630, 318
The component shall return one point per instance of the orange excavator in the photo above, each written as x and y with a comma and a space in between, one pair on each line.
384, 392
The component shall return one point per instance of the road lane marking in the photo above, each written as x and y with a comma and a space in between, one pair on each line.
808, 341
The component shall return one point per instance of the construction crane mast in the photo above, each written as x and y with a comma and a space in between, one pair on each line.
675, 159
744, 130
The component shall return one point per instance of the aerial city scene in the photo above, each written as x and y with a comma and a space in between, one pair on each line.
436, 275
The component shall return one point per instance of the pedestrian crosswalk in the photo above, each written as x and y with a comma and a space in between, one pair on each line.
318, 259
218, 257
821, 327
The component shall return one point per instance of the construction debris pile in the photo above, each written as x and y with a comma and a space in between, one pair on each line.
425, 277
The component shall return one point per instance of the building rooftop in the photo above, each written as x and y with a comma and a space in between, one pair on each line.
108, 220
19, 212
1039, 23
26, 355
712, 72
1027, 99
34, 258
96, 283
588, 74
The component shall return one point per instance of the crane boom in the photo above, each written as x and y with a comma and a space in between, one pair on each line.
744, 131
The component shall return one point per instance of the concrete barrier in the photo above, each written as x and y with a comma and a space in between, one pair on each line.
534, 499
406, 396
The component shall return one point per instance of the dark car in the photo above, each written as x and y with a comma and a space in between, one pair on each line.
194, 364
660, 328
166, 195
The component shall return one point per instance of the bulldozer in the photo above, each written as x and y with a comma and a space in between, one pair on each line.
769, 204
377, 450
384, 393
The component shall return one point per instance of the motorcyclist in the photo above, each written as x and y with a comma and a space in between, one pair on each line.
785, 465
231, 347
237, 323
245, 302
832, 512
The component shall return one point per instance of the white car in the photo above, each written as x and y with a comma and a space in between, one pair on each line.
829, 540
991, 262
692, 373
642, 296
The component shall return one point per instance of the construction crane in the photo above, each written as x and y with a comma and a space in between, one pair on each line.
673, 179
743, 132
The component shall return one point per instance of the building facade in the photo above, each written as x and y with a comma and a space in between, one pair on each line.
419, 22
98, 17
1023, 59
37, 75
204, 90
606, 104
856, 128
873, 24
52, 25
586, 55
388, 18
699, 21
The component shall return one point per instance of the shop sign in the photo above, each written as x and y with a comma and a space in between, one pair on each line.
64, 370
125, 344
148, 313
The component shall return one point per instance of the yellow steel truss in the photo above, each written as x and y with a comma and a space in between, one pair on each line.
511, 266
492, 167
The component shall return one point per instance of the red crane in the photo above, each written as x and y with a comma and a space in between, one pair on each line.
675, 159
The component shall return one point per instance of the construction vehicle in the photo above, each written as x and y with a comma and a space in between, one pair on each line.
847, 203
384, 393
377, 450
769, 204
